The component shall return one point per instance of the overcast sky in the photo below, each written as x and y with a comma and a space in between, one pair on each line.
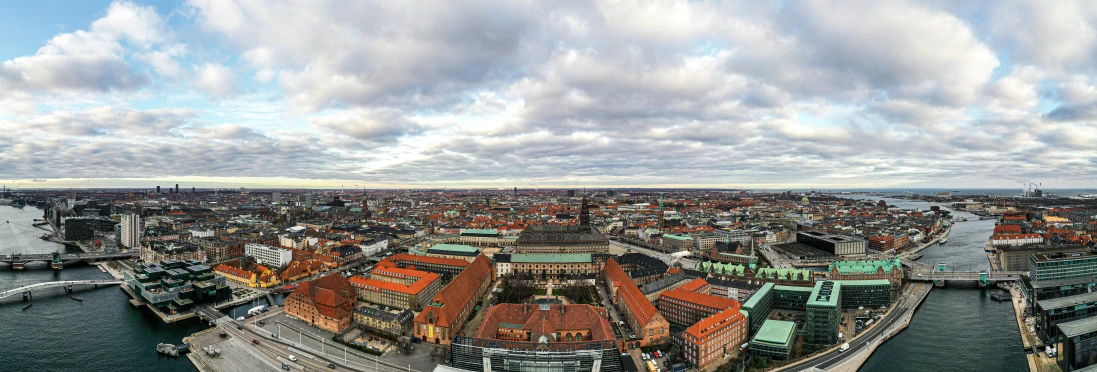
554, 93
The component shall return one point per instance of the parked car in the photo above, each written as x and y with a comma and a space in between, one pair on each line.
255, 342
331, 365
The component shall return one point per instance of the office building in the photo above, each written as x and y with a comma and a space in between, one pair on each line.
841, 245
1079, 348
774, 339
80, 228
824, 313
132, 230
890, 270
708, 342
267, 255
681, 306
1055, 266
758, 306
404, 289
1050, 313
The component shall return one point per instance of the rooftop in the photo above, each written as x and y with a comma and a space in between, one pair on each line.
550, 258
826, 293
776, 332
1069, 301
1079, 327
757, 296
455, 247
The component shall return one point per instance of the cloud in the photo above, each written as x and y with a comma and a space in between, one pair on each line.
572, 93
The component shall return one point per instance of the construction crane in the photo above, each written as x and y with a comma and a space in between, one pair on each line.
535, 187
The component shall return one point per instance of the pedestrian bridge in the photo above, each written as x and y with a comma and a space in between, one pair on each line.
66, 283
68, 258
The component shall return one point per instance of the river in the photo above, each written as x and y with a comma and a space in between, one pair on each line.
102, 333
958, 327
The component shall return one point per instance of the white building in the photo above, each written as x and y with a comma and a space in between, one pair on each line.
372, 248
132, 229
267, 255
207, 233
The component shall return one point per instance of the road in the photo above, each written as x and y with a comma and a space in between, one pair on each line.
906, 304
277, 351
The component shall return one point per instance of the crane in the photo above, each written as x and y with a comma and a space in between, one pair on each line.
536, 188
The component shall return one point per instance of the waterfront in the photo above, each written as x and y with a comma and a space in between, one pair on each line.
102, 333
957, 328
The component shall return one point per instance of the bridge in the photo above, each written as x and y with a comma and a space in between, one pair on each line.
67, 284
57, 260
997, 276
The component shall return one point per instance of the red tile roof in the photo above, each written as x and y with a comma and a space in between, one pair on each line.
705, 326
413, 288
699, 299
447, 304
557, 317
637, 304
332, 295
694, 285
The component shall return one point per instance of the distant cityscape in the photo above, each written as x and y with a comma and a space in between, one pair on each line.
563, 279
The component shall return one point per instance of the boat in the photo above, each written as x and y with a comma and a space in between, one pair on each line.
1000, 297
167, 349
942, 241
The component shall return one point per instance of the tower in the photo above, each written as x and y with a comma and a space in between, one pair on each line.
177, 188
584, 215
661, 211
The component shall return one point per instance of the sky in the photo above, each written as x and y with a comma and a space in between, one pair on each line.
827, 94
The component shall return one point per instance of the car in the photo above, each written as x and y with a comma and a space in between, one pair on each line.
262, 322
285, 366
239, 326
293, 358
275, 335
255, 342
331, 365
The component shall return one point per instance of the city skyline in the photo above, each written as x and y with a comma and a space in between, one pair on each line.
558, 95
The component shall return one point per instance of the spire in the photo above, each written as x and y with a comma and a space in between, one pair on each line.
584, 215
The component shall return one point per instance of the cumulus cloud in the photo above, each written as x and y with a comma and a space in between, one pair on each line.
596, 93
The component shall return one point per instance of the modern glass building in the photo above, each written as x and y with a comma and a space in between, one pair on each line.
869, 294
1079, 348
1056, 266
774, 339
791, 298
757, 307
174, 286
1051, 313
824, 313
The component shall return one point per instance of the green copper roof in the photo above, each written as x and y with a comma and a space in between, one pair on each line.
550, 258
782, 273
869, 282
820, 298
455, 248
776, 333
678, 237
757, 296
789, 288
865, 267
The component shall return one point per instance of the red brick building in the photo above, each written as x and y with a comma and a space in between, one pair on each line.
327, 302
707, 342
443, 317
642, 316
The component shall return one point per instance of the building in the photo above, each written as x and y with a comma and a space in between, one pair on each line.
841, 245
327, 303
652, 327
1016, 239
824, 313
581, 238
267, 255
774, 339
80, 228
446, 267
480, 237
261, 278
527, 337
869, 294
1052, 312
132, 231
708, 342
392, 323
734, 289
677, 243
1079, 348
174, 287
758, 306
447, 312
1054, 266
681, 306
1015, 258
890, 270
550, 268
455, 251
405, 289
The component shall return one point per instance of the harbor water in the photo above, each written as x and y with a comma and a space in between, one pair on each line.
102, 333
958, 327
